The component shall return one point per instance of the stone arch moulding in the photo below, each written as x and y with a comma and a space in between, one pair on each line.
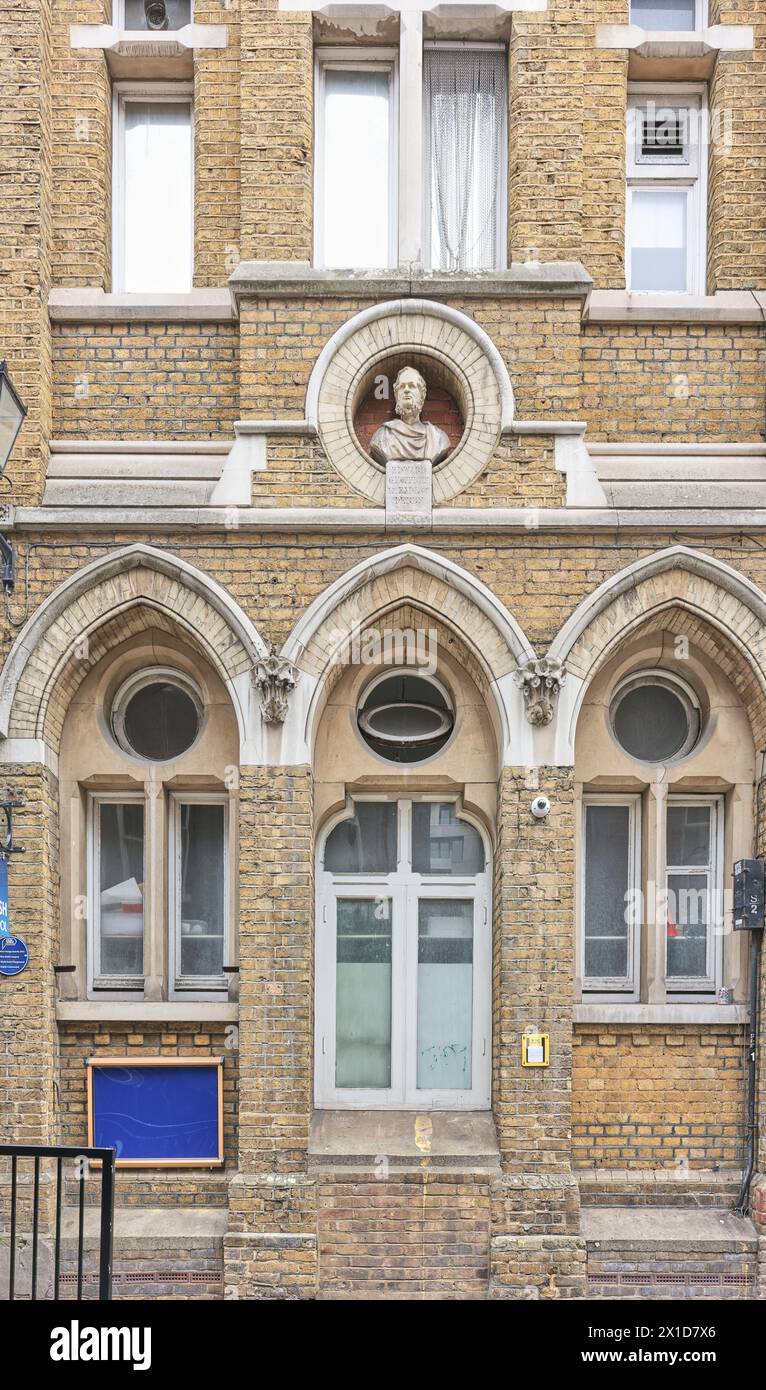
408, 576
677, 577
37, 673
428, 330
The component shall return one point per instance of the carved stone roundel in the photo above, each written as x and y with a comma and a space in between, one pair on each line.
417, 333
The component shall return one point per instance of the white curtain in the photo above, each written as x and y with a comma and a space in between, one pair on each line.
465, 118
158, 196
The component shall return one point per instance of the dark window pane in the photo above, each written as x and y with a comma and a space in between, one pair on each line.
178, 13
121, 887
688, 918
366, 843
607, 867
202, 888
651, 722
688, 835
442, 843
161, 721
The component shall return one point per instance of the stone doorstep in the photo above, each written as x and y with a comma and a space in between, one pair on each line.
350, 1139
649, 1229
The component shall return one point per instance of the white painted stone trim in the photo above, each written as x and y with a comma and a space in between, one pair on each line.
571, 457
150, 44
331, 7
660, 1013
707, 521
88, 305
682, 43
27, 751
626, 306
116, 1011
235, 485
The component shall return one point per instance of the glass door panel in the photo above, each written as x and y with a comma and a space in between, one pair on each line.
363, 993
445, 994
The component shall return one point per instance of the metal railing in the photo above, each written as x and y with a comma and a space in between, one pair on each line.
81, 1159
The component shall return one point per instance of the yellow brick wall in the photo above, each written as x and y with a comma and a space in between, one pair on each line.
658, 1097
145, 381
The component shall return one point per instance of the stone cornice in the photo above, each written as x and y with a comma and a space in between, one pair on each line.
299, 280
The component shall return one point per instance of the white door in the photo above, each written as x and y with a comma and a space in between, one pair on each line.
403, 959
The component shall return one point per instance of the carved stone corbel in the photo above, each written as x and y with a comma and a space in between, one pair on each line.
540, 681
274, 678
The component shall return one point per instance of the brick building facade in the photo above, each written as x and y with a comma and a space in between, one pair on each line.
205, 542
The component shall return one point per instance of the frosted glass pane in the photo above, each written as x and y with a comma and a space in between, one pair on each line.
651, 723
445, 994
363, 994
688, 835
158, 197
688, 912
202, 889
355, 197
121, 888
442, 843
663, 14
658, 232
607, 861
366, 843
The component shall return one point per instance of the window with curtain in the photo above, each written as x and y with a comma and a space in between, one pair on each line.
153, 203
465, 109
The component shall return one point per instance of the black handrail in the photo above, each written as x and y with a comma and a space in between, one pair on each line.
39, 1152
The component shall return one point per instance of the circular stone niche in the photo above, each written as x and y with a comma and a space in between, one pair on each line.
463, 396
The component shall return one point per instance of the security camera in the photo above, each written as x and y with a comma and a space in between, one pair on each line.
540, 807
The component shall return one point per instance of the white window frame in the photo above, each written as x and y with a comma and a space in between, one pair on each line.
404, 888
99, 983
700, 21
360, 59
663, 175
600, 989
195, 986
181, 93
710, 983
118, 19
501, 234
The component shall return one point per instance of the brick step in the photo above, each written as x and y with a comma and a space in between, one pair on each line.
408, 1237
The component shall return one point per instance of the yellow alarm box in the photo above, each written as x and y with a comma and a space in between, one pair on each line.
534, 1049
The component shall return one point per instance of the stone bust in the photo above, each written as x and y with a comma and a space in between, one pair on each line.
409, 437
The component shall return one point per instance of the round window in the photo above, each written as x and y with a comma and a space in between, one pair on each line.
655, 718
404, 717
157, 715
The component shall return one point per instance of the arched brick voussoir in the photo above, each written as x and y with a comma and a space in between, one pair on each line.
687, 592
101, 606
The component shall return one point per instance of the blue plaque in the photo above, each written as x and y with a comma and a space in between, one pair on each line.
14, 955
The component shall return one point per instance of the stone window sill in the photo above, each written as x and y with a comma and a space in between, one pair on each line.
137, 56
457, 1139
91, 305
299, 280
145, 1011
728, 306
660, 1013
660, 54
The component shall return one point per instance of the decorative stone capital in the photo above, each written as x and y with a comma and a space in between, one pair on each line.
540, 680
274, 678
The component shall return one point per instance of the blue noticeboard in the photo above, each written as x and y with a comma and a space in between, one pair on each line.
157, 1112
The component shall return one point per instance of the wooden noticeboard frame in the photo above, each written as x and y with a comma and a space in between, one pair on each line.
137, 1063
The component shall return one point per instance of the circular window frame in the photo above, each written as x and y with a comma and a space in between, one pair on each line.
154, 675
684, 692
367, 690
